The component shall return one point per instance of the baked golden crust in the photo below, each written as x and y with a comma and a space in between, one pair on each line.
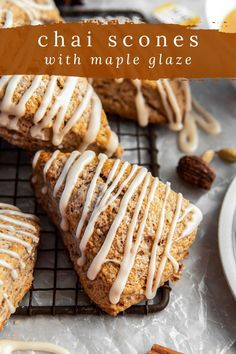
118, 97
24, 12
27, 134
98, 289
19, 236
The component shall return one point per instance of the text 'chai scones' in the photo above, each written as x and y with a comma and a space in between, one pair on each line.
126, 231
54, 111
19, 237
24, 12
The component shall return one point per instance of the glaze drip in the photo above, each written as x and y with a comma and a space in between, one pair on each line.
186, 124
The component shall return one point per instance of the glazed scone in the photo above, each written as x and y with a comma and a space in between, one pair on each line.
163, 101
24, 12
41, 111
44, 112
19, 237
158, 102
127, 232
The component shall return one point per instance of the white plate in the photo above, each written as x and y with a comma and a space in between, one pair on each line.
227, 236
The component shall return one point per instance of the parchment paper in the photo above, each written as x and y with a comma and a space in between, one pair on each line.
201, 316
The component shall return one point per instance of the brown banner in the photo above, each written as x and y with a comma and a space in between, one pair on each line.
144, 51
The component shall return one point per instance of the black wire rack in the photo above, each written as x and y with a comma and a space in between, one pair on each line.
56, 288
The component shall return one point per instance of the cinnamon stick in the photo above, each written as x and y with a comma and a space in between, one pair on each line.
158, 349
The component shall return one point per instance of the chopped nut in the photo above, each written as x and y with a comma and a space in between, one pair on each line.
227, 154
194, 170
208, 156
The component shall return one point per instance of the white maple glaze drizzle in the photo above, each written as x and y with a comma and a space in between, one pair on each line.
17, 222
164, 99
128, 182
150, 293
141, 106
205, 119
94, 123
188, 136
70, 183
10, 223
52, 111
102, 158
99, 259
36, 158
195, 115
185, 123
178, 124
131, 248
195, 220
168, 99
13, 239
49, 163
10, 346
13, 255
20, 107
112, 145
102, 203
20, 232
8, 207
8, 19
74, 155
59, 109
167, 255
18, 213
59, 135
7, 265
46, 168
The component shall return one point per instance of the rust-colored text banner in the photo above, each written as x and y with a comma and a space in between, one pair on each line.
144, 51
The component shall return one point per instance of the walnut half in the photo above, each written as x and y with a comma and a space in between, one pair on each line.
196, 171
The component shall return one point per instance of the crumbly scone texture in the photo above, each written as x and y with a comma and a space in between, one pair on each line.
20, 16
119, 98
98, 289
74, 138
16, 288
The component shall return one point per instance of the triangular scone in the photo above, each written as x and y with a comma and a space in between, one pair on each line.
158, 102
19, 236
54, 111
41, 111
126, 231
24, 12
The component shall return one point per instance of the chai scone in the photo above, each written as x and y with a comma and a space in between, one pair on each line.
126, 231
24, 12
163, 101
158, 102
44, 112
19, 237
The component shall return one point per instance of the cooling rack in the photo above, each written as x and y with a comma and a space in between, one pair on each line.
56, 288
